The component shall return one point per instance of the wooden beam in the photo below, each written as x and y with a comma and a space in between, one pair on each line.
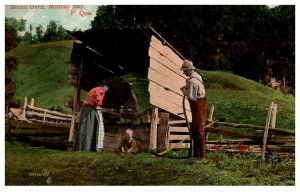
153, 128
162, 132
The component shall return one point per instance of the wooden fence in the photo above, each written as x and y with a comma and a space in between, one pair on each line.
258, 139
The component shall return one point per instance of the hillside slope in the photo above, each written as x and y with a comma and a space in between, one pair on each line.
42, 74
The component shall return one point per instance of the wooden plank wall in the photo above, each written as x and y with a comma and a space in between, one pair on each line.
177, 132
166, 79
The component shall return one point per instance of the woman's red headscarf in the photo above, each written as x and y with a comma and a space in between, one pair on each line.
95, 96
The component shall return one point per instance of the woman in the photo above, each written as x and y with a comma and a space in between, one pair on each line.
90, 131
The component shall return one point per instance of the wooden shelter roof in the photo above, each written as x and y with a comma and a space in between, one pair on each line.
111, 52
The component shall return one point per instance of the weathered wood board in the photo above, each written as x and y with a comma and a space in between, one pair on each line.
166, 79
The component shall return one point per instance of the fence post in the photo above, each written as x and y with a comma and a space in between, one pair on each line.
264, 144
32, 102
273, 116
210, 118
153, 128
24, 108
162, 132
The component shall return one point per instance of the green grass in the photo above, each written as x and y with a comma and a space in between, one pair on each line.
241, 100
25, 165
139, 84
42, 73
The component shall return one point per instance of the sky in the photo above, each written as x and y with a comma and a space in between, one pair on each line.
69, 16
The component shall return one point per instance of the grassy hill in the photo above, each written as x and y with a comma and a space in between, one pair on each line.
42, 74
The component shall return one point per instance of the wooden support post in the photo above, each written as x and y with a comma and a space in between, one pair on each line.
24, 107
273, 116
32, 102
74, 112
163, 132
210, 118
76, 102
264, 144
153, 128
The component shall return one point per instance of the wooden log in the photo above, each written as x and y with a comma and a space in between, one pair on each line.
163, 132
265, 137
153, 128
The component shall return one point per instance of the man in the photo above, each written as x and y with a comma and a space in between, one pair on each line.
195, 92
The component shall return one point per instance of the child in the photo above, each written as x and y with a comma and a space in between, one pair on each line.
128, 144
